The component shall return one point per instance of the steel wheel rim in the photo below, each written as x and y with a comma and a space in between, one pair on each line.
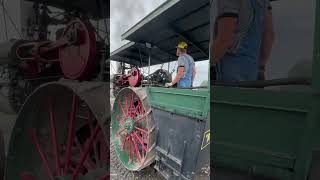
78, 149
133, 129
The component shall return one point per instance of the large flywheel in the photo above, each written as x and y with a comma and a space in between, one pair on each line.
133, 129
61, 133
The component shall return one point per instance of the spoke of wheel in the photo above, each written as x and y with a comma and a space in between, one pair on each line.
142, 117
127, 103
26, 176
90, 121
70, 134
131, 104
121, 107
45, 162
129, 153
121, 130
105, 177
142, 110
137, 109
137, 153
124, 143
118, 118
88, 146
90, 163
142, 130
140, 141
54, 136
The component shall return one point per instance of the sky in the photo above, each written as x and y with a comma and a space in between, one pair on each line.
125, 14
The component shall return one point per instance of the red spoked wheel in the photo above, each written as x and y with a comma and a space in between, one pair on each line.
64, 141
135, 77
78, 59
133, 129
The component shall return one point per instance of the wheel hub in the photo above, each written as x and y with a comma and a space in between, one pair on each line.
129, 124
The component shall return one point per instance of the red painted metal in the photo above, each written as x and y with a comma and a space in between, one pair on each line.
70, 134
135, 141
89, 121
135, 77
122, 109
105, 177
136, 112
126, 105
124, 142
33, 54
26, 176
54, 136
137, 153
142, 117
131, 106
89, 163
75, 51
86, 152
140, 141
78, 59
141, 130
43, 157
118, 117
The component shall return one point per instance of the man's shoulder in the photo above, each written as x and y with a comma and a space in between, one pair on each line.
181, 58
190, 57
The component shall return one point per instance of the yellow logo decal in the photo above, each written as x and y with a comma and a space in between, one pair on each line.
206, 139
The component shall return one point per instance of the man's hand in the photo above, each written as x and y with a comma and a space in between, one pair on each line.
168, 85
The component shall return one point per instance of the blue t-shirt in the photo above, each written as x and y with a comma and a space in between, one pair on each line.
187, 62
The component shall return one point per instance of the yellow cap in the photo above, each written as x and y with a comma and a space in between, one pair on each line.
182, 45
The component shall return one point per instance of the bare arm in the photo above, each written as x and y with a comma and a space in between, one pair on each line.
224, 39
267, 40
179, 75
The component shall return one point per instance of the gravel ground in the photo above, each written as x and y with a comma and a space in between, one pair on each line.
118, 172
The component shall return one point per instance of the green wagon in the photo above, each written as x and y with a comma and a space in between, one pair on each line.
270, 129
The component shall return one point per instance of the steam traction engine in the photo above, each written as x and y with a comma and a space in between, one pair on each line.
75, 55
134, 78
152, 126
62, 128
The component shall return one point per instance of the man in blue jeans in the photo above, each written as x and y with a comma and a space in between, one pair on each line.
242, 39
186, 68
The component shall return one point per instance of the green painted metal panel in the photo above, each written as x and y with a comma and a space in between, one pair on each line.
187, 102
260, 129
316, 56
